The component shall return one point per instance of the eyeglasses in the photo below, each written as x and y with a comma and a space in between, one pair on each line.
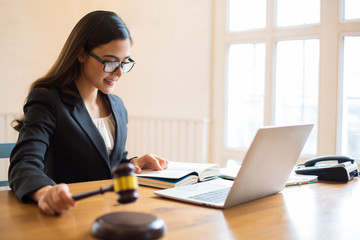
113, 66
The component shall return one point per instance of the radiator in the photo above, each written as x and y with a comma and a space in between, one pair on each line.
175, 139
7, 135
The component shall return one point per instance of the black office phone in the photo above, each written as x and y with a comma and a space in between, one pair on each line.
343, 171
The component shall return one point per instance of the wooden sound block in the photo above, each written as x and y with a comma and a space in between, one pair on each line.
128, 225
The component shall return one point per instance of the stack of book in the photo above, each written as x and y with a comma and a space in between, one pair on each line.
178, 174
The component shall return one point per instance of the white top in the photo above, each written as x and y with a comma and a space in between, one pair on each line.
106, 127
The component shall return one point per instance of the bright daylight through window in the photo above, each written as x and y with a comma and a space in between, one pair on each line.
351, 98
245, 93
297, 12
246, 15
297, 81
291, 62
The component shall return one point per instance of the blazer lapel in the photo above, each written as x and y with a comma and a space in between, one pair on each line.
82, 117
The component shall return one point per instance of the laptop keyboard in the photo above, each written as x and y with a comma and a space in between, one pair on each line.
216, 196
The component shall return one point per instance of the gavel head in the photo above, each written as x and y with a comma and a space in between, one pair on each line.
125, 183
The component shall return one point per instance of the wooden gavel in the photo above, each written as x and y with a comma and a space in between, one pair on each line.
124, 225
125, 185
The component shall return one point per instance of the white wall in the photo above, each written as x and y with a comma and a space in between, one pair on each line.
172, 48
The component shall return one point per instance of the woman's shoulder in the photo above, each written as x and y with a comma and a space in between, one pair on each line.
43, 94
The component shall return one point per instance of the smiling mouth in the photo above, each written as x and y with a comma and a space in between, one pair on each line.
110, 81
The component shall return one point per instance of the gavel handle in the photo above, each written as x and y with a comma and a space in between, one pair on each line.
101, 190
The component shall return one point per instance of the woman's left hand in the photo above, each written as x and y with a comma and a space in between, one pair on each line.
149, 161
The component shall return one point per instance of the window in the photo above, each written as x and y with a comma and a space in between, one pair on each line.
297, 12
245, 93
350, 142
245, 15
297, 78
351, 9
278, 63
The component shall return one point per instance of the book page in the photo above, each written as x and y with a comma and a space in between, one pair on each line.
185, 166
298, 179
177, 170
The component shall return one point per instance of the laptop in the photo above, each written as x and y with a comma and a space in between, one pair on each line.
264, 171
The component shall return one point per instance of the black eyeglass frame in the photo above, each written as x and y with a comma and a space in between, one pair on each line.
121, 64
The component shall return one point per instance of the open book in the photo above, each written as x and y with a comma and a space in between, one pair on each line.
300, 179
178, 174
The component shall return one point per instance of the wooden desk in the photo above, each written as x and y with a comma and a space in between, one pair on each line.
314, 211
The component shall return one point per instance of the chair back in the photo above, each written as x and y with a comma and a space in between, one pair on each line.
5, 151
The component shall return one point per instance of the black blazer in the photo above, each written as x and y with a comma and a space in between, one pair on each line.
59, 143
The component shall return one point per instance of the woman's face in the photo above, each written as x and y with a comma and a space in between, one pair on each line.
92, 74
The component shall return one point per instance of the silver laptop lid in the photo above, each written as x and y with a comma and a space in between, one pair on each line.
268, 162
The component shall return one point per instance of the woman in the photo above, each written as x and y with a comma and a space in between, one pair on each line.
73, 129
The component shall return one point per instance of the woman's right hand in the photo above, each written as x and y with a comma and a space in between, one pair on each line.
55, 199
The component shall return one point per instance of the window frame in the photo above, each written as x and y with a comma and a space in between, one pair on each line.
330, 32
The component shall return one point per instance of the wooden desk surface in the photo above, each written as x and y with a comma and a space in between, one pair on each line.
314, 211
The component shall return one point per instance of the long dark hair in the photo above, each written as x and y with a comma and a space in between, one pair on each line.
94, 29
